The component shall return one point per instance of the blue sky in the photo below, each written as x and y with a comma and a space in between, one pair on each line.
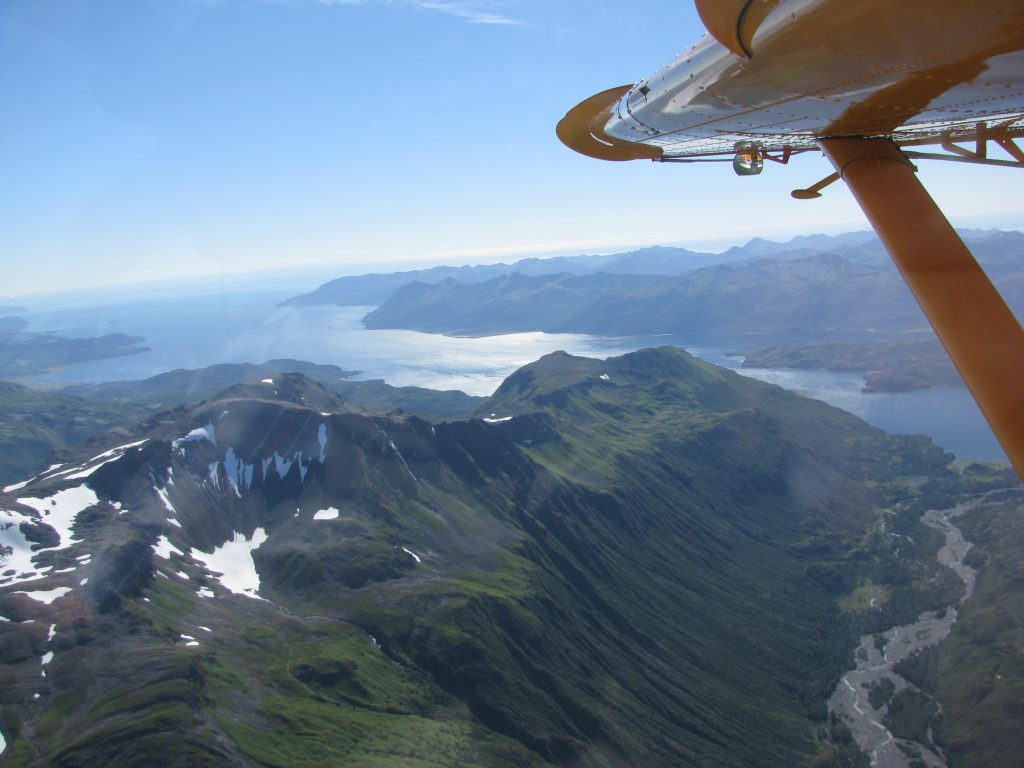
154, 139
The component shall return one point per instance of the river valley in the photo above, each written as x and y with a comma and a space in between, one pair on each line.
878, 654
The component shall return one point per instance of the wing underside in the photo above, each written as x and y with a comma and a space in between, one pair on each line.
823, 68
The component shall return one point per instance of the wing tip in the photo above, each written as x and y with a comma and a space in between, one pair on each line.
582, 130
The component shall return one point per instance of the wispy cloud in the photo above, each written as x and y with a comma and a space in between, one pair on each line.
473, 11
469, 11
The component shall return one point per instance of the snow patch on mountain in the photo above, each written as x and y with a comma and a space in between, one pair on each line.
166, 499
115, 452
60, 510
45, 596
401, 458
321, 437
165, 549
15, 550
104, 458
19, 486
196, 435
234, 562
239, 473
283, 464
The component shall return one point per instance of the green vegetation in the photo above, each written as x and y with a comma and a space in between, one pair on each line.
839, 750
880, 694
866, 597
910, 715
327, 696
655, 562
33, 424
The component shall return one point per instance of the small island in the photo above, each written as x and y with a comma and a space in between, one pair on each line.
888, 366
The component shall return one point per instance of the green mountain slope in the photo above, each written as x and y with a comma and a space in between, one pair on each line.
33, 424
631, 562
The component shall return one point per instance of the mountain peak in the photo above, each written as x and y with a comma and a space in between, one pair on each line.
553, 377
288, 387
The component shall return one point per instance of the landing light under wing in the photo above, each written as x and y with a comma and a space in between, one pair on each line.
866, 83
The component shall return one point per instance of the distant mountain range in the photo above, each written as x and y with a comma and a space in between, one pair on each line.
370, 290
374, 289
641, 561
759, 247
818, 295
823, 293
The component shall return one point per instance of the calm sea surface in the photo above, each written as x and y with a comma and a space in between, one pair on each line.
192, 331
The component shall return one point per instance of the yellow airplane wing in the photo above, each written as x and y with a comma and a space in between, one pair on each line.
867, 83
786, 73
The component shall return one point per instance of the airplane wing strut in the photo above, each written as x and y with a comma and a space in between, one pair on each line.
980, 333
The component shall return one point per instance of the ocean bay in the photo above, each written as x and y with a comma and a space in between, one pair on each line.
193, 331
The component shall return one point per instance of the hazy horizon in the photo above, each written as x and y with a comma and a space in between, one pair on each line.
304, 277
168, 139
